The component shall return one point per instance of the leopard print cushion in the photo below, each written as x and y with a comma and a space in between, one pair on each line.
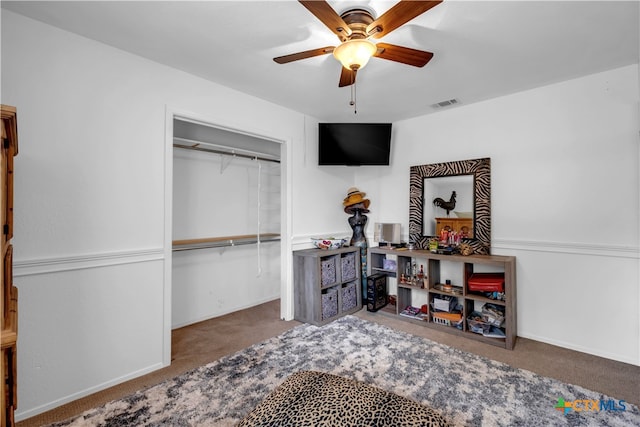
311, 398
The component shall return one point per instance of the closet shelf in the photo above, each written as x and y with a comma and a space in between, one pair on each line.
224, 241
191, 144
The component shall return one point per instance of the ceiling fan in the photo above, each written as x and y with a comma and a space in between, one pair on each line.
355, 27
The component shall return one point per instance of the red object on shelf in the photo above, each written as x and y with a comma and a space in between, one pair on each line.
486, 282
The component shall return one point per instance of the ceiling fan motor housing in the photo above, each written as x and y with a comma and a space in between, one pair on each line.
358, 20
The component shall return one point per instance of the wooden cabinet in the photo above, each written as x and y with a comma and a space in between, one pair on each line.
484, 316
9, 305
459, 225
327, 284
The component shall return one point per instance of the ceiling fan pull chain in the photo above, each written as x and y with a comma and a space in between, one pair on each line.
353, 92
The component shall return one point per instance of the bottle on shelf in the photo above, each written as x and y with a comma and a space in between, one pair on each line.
421, 277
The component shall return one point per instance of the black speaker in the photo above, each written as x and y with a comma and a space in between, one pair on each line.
376, 292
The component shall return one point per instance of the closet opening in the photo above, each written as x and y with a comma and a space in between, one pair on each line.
226, 221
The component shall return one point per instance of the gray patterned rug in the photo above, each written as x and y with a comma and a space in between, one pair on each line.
464, 388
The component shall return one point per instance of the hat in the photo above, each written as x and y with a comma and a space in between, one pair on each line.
362, 207
355, 197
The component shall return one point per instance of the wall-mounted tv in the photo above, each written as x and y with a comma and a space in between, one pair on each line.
354, 144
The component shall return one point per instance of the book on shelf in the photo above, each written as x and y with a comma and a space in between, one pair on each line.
493, 332
413, 312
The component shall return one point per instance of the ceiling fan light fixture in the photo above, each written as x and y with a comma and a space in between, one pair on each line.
354, 54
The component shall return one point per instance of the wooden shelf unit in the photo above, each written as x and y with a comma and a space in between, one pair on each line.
9, 293
327, 284
470, 301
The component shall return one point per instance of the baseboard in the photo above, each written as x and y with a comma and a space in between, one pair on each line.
586, 350
20, 416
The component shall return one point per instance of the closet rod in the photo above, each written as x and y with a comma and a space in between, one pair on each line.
219, 242
191, 144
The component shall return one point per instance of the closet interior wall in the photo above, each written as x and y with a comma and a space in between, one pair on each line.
226, 223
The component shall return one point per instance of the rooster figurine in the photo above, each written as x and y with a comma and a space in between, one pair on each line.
447, 206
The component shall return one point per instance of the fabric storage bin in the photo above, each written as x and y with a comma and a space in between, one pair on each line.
328, 266
486, 282
349, 296
329, 304
349, 266
376, 296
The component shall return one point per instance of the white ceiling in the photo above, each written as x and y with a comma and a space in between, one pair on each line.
482, 49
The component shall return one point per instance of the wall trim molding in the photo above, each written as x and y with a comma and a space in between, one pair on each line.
78, 262
303, 241
616, 251
31, 267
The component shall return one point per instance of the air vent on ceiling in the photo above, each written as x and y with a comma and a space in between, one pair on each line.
443, 104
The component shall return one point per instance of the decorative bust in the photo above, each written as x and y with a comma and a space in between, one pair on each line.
356, 205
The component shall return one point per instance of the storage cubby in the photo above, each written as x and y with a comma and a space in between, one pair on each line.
383, 263
465, 317
326, 284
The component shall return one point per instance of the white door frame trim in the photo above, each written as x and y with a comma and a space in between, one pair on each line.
286, 292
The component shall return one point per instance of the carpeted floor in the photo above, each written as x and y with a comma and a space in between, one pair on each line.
465, 388
204, 342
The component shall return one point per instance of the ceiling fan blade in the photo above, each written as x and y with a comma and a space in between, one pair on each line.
347, 77
401, 13
329, 17
405, 55
304, 55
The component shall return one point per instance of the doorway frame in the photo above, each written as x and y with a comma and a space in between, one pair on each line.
286, 276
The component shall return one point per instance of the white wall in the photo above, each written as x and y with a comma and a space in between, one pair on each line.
90, 242
91, 226
565, 201
318, 198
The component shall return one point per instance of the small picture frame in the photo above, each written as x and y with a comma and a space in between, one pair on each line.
389, 264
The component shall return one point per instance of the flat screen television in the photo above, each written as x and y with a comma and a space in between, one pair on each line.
354, 144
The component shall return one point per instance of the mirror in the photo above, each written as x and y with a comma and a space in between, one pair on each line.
448, 202
471, 181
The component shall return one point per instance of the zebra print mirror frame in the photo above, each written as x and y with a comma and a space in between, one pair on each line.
481, 171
